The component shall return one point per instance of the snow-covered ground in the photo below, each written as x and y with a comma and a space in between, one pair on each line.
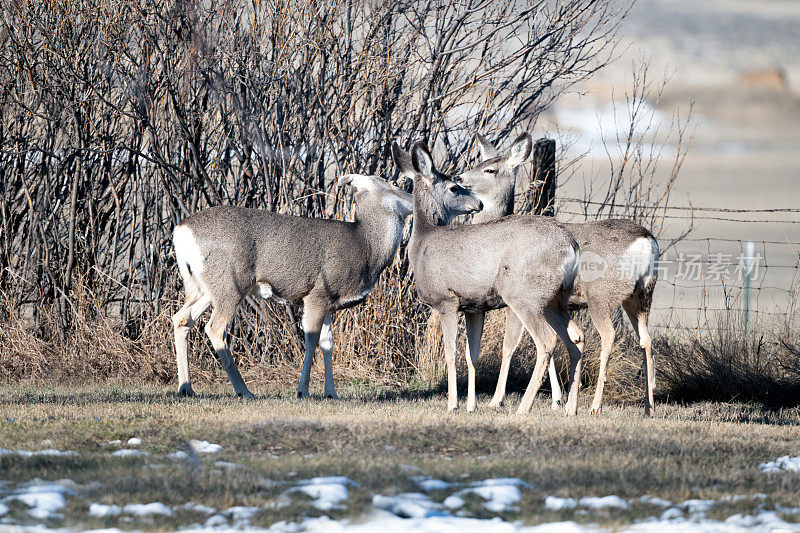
442, 511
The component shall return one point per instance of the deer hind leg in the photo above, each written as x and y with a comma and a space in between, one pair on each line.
576, 336
545, 340
474, 332
638, 317
313, 320
511, 339
326, 345
601, 318
559, 320
216, 329
182, 322
449, 320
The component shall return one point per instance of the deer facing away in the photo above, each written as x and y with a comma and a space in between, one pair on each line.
525, 263
625, 253
227, 253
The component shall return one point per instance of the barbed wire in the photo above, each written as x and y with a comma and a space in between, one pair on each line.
690, 208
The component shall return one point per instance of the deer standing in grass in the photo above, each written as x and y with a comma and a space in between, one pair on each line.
625, 253
227, 253
525, 263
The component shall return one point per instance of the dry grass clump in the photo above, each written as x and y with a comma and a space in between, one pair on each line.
726, 364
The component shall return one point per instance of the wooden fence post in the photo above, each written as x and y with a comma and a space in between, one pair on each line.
544, 169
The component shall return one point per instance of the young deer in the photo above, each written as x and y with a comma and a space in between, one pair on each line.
525, 263
227, 253
626, 253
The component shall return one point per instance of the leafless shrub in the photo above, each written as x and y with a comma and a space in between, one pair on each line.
121, 118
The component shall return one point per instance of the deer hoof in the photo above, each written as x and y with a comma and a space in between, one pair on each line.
332, 396
301, 395
556, 405
186, 390
246, 395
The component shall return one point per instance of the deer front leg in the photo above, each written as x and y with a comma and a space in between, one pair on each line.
449, 321
326, 345
474, 332
511, 339
313, 318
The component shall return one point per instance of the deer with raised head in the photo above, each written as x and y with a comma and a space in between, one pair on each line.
527, 264
227, 253
618, 267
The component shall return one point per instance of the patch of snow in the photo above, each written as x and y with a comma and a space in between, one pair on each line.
145, 509
42, 504
134, 441
781, 464
216, 520
697, 506
328, 492
3, 509
554, 503
126, 452
227, 466
427, 484
594, 502
240, 512
49, 452
198, 508
651, 500
500, 494
101, 510
203, 446
180, 455
43, 498
671, 513
408, 505
115, 442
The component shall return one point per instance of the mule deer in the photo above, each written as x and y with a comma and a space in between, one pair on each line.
227, 253
525, 263
625, 253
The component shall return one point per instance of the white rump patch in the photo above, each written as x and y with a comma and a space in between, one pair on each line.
187, 252
570, 264
639, 263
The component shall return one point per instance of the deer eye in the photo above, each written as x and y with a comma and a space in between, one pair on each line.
490, 170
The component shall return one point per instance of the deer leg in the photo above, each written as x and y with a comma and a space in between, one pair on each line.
554, 385
559, 320
638, 318
313, 320
601, 318
576, 336
511, 339
545, 341
182, 322
216, 330
449, 321
474, 332
326, 345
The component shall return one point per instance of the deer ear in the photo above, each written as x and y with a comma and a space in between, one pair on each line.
520, 151
421, 160
402, 161
359, 182
486, 149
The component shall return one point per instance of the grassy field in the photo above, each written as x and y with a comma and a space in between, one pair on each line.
383, 440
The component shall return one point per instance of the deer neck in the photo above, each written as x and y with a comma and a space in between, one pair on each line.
495, 207
382, 231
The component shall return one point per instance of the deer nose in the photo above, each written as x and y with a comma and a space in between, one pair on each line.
480, 205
